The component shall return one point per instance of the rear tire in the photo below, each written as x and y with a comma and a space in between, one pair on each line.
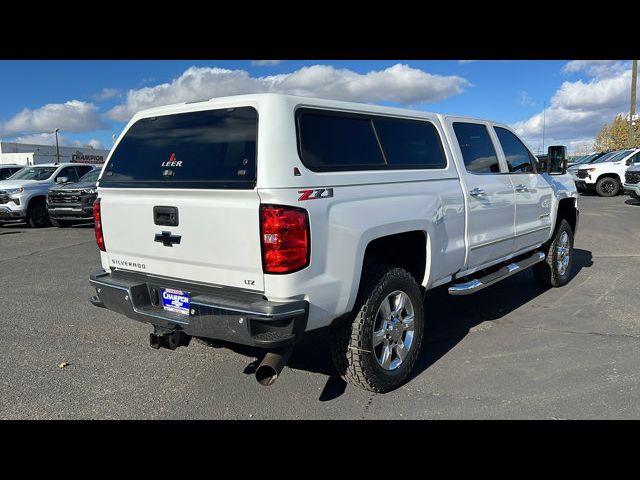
60, 223
377, 347
608, 187
37, 215
556, 268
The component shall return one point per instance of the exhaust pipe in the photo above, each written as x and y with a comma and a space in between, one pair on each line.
272, 364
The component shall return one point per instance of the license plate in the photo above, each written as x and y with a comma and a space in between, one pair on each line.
175, 301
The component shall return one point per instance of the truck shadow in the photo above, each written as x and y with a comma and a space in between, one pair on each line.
448, 321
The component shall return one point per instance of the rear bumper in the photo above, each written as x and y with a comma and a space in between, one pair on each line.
240, 317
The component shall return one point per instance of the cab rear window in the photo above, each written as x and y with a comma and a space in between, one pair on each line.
206, 149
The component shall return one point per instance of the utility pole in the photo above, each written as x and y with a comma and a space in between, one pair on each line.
544, 122
57, 148
632, 112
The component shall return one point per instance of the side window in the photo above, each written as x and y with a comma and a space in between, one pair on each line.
334, 142
634, 160
478, 152
409, 143
70, 173
518, 157
82, 169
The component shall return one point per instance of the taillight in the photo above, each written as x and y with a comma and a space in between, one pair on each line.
284, 232
97, 221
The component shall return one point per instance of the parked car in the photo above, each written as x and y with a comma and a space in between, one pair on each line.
606, 174
23, 196
257, 218
632, 181
7, 170
72, 202
585, 159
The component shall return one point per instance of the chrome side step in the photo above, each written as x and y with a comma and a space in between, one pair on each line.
478, 284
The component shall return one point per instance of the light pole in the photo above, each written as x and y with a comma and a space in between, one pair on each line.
632, 110
544, 123
57, 148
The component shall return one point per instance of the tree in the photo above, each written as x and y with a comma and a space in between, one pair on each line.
615, 136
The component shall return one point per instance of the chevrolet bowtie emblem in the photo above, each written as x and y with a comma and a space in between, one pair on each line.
167, 239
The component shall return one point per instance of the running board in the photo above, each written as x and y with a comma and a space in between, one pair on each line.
478, 284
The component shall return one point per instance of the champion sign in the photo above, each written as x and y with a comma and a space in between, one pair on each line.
175, 301
80, 157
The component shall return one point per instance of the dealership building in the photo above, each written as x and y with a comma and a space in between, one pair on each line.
29, 154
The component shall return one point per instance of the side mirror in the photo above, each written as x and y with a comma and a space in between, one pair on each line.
557, 159
62, 180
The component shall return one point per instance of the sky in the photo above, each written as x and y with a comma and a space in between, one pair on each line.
91, 101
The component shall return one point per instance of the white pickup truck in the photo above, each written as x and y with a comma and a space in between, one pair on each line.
605, 175
254, 219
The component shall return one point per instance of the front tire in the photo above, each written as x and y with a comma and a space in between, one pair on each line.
608, 187
556, 269
37, 215
377, 347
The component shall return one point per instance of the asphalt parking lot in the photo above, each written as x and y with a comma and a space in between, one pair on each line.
510, 351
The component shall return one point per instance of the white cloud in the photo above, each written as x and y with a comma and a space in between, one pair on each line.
50, 139
399, 83
597, 68
579, 109
72, 116
106, 93
525, 100
462, 62
95, 143
265, 63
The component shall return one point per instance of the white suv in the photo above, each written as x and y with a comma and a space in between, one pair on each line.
605, 176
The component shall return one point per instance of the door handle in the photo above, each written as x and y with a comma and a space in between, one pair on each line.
521, 188
477, 192
167, 216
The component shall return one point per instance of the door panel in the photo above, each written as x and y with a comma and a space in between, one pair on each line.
489, 193
533, 192
490, 218
534, 196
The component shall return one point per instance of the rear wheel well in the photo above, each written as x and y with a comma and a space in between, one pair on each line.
567, 211
407, 250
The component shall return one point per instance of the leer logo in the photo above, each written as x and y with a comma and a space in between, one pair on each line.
172, 162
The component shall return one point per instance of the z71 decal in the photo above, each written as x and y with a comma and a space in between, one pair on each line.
316, 194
